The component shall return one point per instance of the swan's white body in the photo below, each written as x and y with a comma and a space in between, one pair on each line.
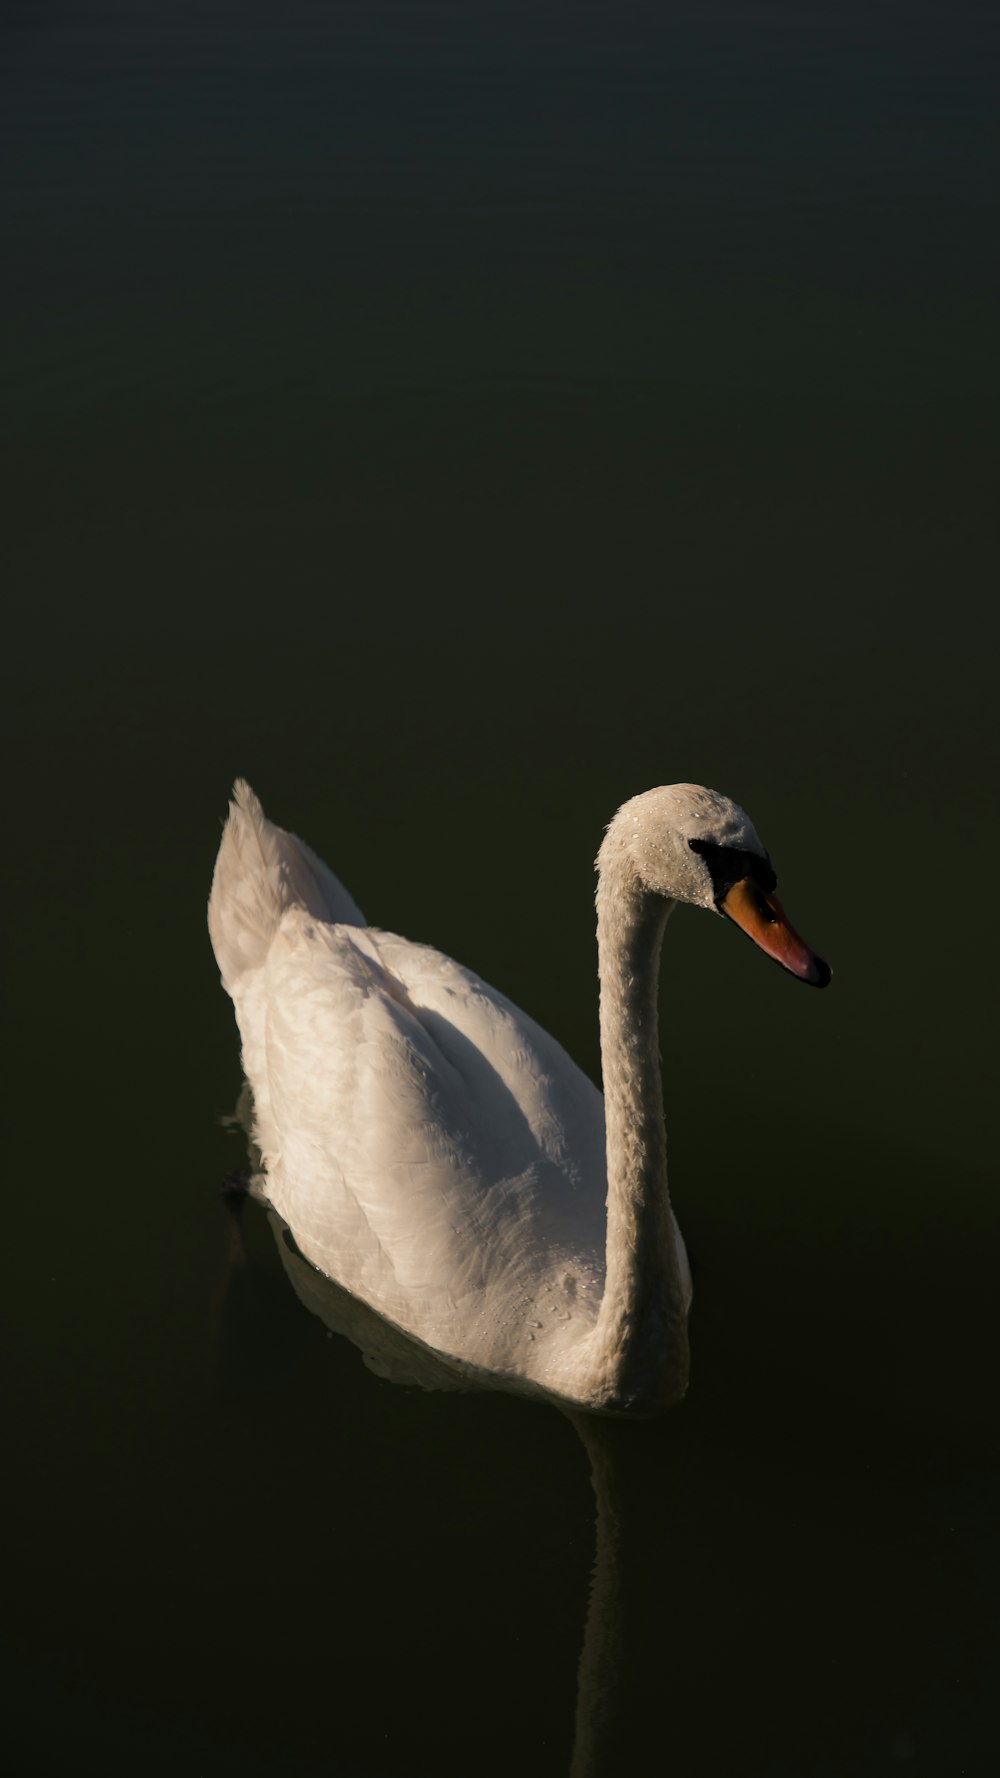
439, 1155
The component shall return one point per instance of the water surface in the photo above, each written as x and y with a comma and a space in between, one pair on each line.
458, 420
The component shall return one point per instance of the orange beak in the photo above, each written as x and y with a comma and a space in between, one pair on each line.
763, 918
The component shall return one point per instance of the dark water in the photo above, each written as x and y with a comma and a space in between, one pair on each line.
458, 419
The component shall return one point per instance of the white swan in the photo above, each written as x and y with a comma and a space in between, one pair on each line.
439, 1155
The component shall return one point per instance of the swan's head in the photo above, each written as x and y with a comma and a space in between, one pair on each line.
686, 843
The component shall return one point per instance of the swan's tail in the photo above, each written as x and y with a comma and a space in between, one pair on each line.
261, 870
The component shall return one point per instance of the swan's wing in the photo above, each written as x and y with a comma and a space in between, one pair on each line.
428, 1144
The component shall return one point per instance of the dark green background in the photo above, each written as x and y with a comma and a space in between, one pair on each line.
457, 419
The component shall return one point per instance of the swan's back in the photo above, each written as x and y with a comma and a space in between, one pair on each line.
430, 1147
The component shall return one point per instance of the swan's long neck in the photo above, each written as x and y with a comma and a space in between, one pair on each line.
641, 1347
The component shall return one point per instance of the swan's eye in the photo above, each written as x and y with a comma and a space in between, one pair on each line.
764, 908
